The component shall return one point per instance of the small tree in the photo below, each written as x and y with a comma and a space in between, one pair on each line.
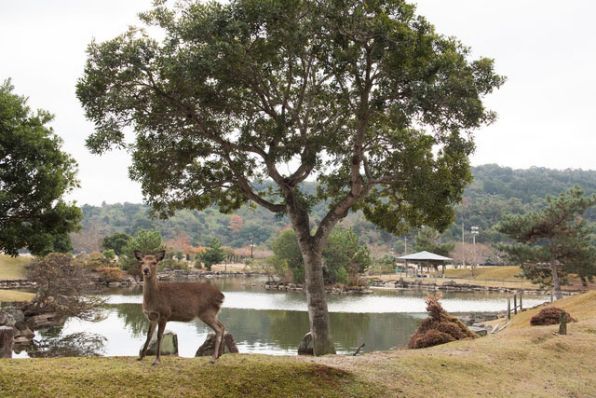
214, 254
554, 241
145, 241
364, 95
60, 283
34, 175
343, 258
429, 239
116, 242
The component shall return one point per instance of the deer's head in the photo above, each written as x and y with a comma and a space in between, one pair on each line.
148, 262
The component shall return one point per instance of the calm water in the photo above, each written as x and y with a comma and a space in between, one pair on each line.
274, 322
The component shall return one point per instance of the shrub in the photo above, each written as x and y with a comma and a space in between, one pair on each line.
172, 264
111, 274
439, 327
60, 283
550, 316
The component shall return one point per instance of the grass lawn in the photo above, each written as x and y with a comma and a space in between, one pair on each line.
521, 361
232, 376
501, 273
15, 295
13, 267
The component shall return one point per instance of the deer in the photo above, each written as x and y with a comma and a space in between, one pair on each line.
181, 302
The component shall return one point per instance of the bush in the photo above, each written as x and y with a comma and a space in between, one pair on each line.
439, 327
172, 264
550, 316
92, 261
60, 282
111, 274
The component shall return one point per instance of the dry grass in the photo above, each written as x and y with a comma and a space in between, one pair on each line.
522, 361
15, 295
12, 268
502, 273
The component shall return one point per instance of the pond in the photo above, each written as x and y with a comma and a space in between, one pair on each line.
274, 322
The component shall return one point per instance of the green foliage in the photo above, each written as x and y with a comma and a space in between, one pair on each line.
34, 175
145, 241
115, 242
428, 239
555, 236
214, 254
259, 74
173, 264
344, 256
288, 255
109, 254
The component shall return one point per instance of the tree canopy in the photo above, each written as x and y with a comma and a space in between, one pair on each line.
34, 175
554, 241
365, 96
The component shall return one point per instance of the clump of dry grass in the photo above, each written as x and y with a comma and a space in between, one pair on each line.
439, 327
550, 316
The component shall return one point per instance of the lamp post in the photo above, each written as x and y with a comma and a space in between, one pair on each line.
475, 231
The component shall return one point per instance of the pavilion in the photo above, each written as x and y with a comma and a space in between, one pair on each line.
425, 258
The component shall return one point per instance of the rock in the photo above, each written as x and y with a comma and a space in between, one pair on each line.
169, 344
228, 346
480, 331
44, 320
306, 345
6, 341
114, 284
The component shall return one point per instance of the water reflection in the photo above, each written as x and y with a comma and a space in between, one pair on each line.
275, 322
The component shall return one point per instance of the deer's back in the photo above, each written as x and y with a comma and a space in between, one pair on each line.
189, 300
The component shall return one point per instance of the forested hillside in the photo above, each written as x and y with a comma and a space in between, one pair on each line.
495, 191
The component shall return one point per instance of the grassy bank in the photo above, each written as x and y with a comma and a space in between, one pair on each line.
12, 268
232, 376
521, 361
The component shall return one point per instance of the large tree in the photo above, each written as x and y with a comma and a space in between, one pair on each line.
554, 241
364, 96
34, 175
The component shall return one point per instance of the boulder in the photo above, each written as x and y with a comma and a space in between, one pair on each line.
228, 346
44, 320
169, 344
6, 341
306, 345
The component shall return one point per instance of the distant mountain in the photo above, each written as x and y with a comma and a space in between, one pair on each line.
496, 191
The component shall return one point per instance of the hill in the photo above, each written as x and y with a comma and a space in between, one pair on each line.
495, 192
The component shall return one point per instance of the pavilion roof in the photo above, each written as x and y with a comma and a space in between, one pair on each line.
425, 256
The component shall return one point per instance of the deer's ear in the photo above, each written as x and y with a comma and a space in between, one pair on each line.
138, 255
160, 255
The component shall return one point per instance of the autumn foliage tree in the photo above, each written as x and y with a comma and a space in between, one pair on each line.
363, 95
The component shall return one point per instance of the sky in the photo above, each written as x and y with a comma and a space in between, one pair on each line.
545, 48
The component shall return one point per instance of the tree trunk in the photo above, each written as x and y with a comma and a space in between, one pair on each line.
318, 314
312, 255
556, 282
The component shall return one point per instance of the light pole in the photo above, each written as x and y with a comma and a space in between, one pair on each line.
475, 231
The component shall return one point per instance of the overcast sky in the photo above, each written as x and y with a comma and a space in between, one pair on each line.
546, 48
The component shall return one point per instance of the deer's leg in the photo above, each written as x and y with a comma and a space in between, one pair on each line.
160, 328
150, 332
218, 328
